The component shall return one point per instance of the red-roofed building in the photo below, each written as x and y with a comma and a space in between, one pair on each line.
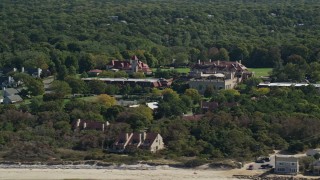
80, 125
130, 66
152, 142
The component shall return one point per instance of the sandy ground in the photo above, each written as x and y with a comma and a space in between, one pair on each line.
116, 174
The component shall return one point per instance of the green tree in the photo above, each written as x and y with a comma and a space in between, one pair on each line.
77, 85
60, 88
193, 94
106, 100
97, 87
86, 63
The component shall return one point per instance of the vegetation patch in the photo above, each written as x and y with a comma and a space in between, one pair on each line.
258, 72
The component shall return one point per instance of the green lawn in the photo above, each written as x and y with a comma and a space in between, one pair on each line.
260, 71
89, 98
180, 70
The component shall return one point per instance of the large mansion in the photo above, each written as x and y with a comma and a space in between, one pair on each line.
218, 74
130, 66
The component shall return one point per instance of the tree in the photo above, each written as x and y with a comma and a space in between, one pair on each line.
139, 118
223, 54
62, 72
77, 85
151, 60
194, 94
35, 86
97, 87
86, 63
181, 59
106, 100
60, 88
138, 75
209, 91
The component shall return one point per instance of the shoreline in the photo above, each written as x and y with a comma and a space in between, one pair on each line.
127, 174
119, 172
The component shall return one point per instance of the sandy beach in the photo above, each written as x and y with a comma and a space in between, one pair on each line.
171, 173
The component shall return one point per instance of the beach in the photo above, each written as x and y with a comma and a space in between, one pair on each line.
171, 173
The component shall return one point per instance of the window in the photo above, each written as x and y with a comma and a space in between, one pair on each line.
281, 169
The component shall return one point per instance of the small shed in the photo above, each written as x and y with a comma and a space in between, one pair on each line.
312, 152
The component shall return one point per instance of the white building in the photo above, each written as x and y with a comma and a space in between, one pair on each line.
286, 165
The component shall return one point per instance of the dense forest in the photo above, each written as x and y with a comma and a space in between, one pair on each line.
82, 34
71, 37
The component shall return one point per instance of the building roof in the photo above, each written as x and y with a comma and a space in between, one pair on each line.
286, 158
221, 65
134, 58
134, 139
316, 163
209, 105
126, 65
150, 138
11, 91
151, 80
95, 71
90, 124
14, 98
286, 84
152, 105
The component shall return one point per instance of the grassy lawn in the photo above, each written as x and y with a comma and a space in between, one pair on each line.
89, 98
260, 71
180, 70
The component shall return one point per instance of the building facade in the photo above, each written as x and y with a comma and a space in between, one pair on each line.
286, 165
152, 142
80, 125
218, 74
130, 66
148, 82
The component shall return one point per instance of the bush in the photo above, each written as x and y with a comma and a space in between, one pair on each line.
195, 163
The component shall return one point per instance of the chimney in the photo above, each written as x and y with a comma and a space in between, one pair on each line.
209, 60
39, 72
84, 125
14, 69
3, 88
22, 69
218, 62
102, 127
127, 136
78, 122
199, 62
144, 136
140, 137
239, 61
107, 123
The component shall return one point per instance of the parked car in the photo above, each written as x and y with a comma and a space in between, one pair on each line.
260, 161
266, 166
250, 167
266, 159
